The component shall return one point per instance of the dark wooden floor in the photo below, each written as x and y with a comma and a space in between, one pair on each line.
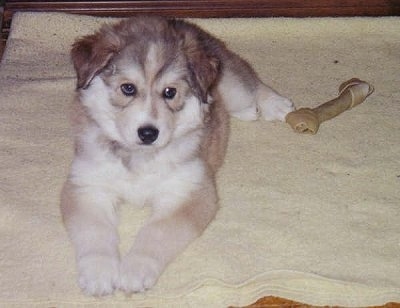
214, 8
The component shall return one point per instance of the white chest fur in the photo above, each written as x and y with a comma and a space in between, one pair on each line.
163, 180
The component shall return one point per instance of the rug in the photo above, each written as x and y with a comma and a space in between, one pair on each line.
315, 219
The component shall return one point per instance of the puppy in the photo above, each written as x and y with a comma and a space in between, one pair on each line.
151, 125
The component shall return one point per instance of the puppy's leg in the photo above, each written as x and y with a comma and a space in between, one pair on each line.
164, 236
91, 224
271, 104
246, 96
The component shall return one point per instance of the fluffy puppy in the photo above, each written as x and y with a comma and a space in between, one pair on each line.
150, 122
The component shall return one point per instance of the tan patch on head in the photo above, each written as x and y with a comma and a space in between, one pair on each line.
153, 63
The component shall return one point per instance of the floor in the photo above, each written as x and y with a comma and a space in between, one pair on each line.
272, 302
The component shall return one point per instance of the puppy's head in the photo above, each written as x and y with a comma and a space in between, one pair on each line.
146, 81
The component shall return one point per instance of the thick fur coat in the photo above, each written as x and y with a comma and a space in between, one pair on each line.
151, 123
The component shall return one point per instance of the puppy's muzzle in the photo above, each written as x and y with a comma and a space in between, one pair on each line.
148, 134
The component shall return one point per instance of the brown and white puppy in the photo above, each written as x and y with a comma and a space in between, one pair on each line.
151, 126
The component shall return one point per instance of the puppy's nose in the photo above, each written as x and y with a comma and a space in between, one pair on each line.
148, 134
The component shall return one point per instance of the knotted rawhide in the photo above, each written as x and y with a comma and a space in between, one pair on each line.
351, 93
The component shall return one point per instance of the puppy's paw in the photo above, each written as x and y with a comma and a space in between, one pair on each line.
98, 274
138, 273
276, 107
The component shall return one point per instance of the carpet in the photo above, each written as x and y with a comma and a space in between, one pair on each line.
314, 219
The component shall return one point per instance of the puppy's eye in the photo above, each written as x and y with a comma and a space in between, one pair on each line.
128, 89
169, 93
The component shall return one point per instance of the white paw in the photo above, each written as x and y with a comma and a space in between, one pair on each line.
138, 273
276, 107
98, 274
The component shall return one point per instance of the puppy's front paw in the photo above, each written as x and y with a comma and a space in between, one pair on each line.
276, 107
138, 273
98, 274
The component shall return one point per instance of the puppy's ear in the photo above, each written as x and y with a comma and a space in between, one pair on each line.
203, 71
203, 61
92, 53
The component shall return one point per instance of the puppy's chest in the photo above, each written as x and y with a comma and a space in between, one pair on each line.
160, 183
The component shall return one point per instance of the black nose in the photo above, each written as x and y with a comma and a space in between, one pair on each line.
148, 134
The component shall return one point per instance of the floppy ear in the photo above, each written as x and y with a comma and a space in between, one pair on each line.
92, 53
203, 62
203, 71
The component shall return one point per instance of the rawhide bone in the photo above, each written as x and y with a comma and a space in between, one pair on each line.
351, 93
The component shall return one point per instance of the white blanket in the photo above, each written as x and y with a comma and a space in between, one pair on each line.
310, 218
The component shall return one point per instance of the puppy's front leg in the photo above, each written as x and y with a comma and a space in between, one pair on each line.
90, 220
163, 238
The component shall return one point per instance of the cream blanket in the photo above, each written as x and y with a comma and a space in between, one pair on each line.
310, 218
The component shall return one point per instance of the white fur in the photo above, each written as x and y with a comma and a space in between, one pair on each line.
149, 177
272, 105
241, 104
96, 100
155, 181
